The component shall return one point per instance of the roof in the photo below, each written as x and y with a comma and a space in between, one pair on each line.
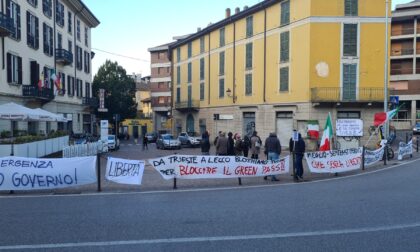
233, 18
163, 47
142, 86
83, 11
406, 11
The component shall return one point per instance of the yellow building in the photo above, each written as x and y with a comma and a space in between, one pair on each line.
274, 66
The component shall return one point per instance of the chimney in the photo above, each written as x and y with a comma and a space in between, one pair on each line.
227, 12
237, 10
245, 7
198, 29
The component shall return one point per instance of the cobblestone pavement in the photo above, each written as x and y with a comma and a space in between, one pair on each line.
152, 181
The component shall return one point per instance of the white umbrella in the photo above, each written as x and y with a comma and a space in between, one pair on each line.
16, 112
49, 116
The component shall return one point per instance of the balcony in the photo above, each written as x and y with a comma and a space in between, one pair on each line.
45, 94
63, 56
6, 25
402, 31
402, 52
187, 106
90, 101
336, 94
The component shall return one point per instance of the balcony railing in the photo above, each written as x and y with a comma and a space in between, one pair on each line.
35, 92
63, 56
336, 94
402, 52
90, 101
403, 31
401, 71
6, 25
187, 105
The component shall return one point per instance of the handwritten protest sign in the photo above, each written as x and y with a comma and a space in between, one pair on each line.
371, 157
197, 167
405, 149
19, 173
349, 127
334, 161
124, 171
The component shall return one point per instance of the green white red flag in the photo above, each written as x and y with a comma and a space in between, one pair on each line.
382, 117
313, 129
327, 135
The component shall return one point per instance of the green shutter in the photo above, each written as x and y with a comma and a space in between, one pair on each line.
202, 91
249, 26
284, 47
178, 75
221, 63
189, 72
248, 56
248, 84
350, 40
202, 69
221, 88
284, 79
285, 13
349, 81
351, 7
222, 37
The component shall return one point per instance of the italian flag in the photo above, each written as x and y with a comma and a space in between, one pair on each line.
313, 129
327, 135
382, 117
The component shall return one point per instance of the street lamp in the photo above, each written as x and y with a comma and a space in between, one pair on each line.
229, 94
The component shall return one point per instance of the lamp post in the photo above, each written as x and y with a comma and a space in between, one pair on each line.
229, 94
386, 68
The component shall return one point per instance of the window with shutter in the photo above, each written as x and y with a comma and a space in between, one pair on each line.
349, 81
46, 8
221, 63
189, 72
32, 33
69, 22
221, 88
249, 26
202, 45
201, 91
351, 7
350, 40
178, 75
284, 47
284, 79
285, 13
202, 69
13, 11
178, 94
178, 54
222, 37
189, 50
248, 84
248, 56
14, 69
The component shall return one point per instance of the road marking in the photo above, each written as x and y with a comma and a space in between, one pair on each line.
214, 238
210, 189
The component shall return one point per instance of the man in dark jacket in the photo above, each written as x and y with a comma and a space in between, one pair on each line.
273, 150
205, 143
231, 145
299, 148
222, 145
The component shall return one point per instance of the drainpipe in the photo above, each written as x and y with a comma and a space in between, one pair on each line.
75, 41
209, 73
265, 54
234, 63
54, 42
172, 89
2, 38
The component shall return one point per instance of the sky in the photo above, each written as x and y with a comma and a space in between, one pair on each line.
129, 27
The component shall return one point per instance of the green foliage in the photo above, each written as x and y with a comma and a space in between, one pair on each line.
5, 134
120, 91
33, 138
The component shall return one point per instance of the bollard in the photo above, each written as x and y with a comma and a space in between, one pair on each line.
98, 165
385, 154
363, 158
240, 181
417, 144
406, 137
174, 184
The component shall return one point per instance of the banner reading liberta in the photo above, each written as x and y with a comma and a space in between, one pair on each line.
334, 161
19, 173
124, 171
197, 167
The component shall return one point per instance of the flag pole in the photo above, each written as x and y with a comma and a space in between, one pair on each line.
386, 126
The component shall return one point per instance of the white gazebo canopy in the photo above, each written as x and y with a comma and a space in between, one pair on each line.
49, 116
16, 112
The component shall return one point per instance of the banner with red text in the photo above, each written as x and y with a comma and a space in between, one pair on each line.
20, 173
334, 161
197, 167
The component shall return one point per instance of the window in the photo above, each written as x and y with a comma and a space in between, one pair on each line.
87, 90
222, 37
202, 69
189, 72
249, 26
69, 22
14, 69
159, 70
350, 40
221, 63
70, 45
349, 81
189, 50
59, 41
248, 56
79, 58
70, 85
285, 13
86, 36
78, 29
34, 72
47, 77
59, 13
221, 88
79, 88
34, 3
178, 54
47, 7
248, 84
161, 85
178, 75
87, 62
161, 100
13, 11
348, 114
284, 47
48, 39
351, 7
202, 48
284, 79
202, 91
178, 95
32, 31
63, 84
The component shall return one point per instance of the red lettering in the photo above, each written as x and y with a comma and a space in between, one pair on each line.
334, 164
317, 165
246, 170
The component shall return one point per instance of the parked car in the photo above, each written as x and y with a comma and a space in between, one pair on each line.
191, 139
113, 142
151, 137
167, 141
416, 129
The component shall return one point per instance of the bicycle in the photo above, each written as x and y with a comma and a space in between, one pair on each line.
378, 131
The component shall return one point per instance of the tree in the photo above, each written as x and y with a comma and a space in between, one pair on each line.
120, 91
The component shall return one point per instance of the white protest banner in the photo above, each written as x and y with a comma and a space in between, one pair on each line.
124, 171
19, 173
196, 167
349, 127
334, 161
405, 149
374, 156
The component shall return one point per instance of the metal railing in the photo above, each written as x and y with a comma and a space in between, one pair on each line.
64, 56
83, 150
6, 25
335, 94
401, 52
41, 93
403, 31
190, 104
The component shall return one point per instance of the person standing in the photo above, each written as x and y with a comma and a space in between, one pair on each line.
299, 148
222, 145
255, 145
273, 149
205, 144
238, 145
145, 141
136, 137
215, 141
231, 145
245, 145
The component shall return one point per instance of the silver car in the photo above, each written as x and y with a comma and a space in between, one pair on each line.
167, 141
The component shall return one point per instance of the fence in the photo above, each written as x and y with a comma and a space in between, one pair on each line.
83, 150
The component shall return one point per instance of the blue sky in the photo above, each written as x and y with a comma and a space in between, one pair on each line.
130, 27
